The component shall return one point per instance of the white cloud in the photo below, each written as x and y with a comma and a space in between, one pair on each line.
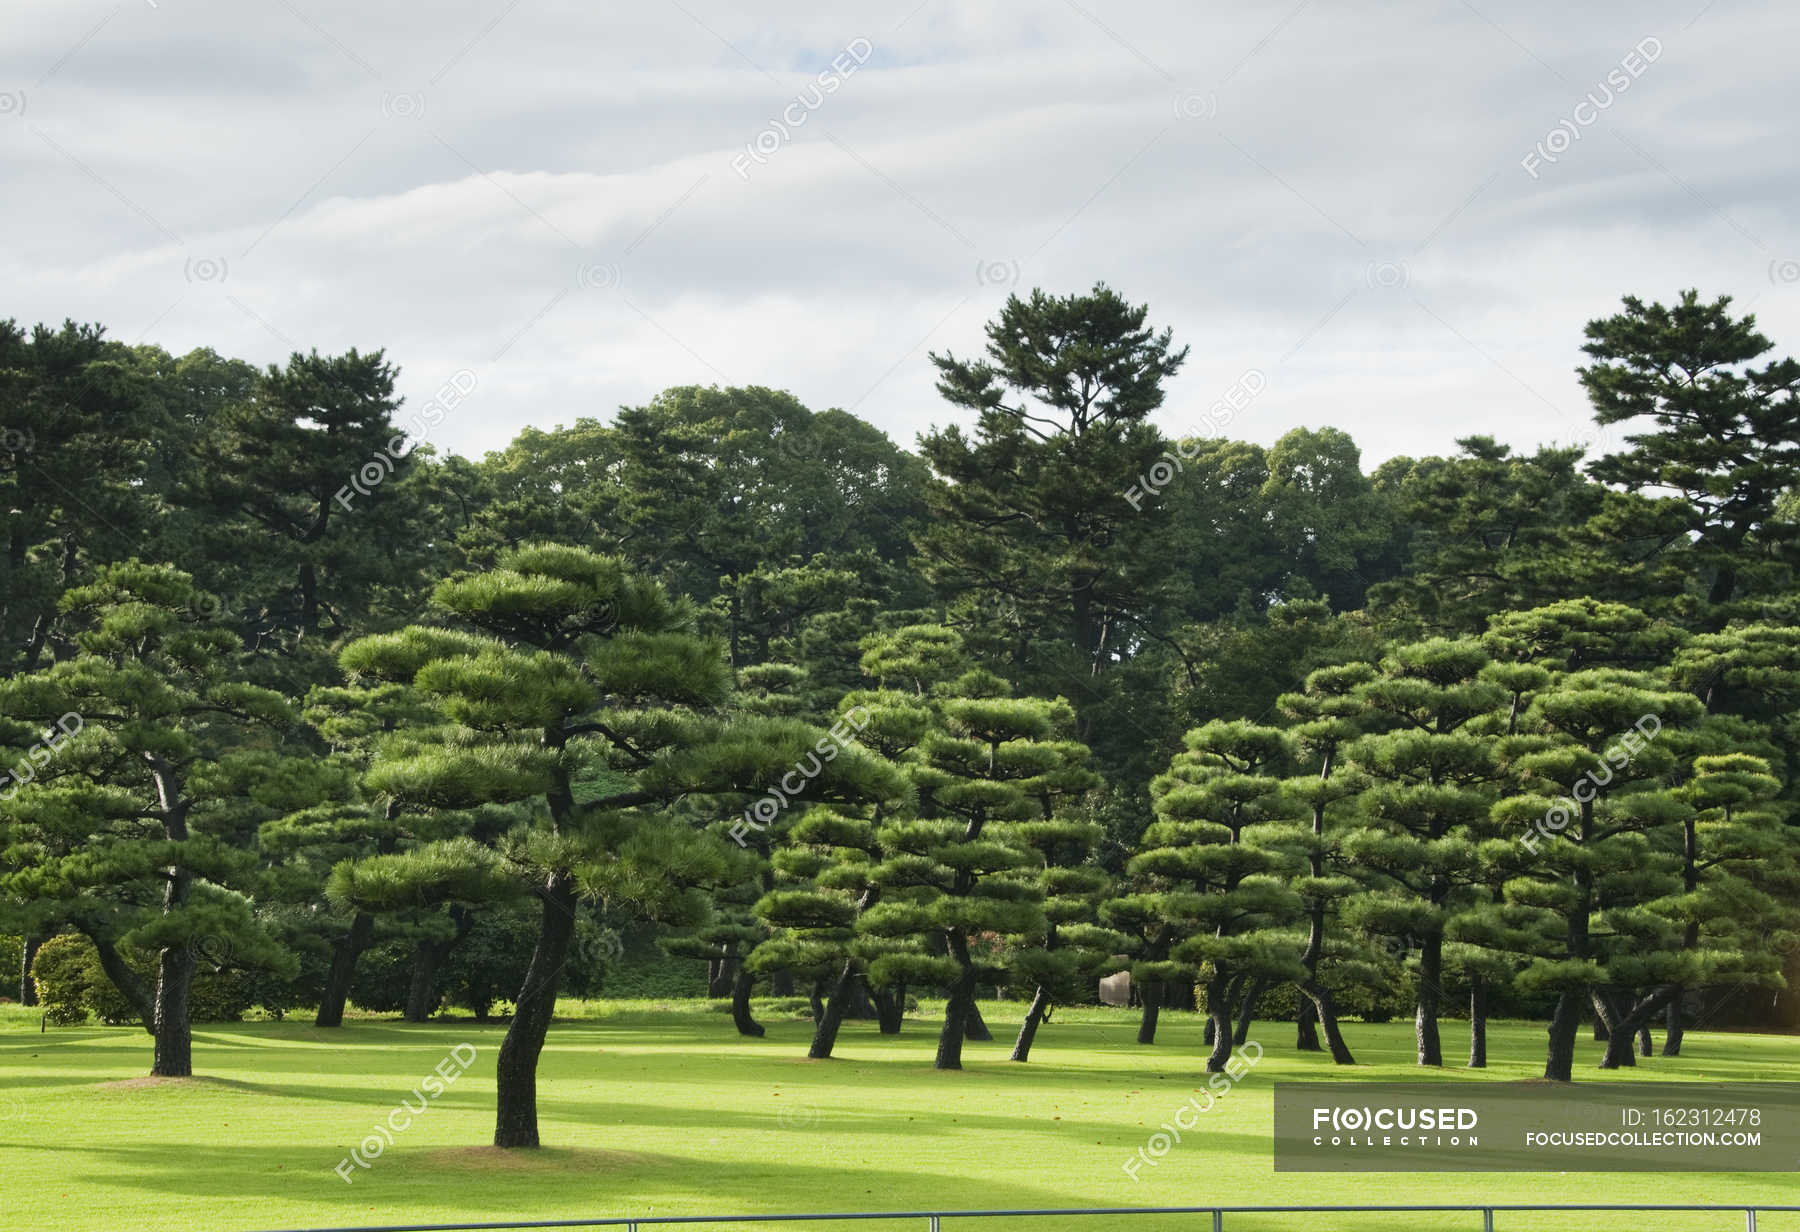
1353, 148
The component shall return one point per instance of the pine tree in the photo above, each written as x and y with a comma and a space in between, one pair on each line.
1324, 717
1598, 873
143, 770
1431, 776
1722, 433
573, 661
954, 873
1213, 871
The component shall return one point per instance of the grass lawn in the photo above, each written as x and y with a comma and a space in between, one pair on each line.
661, 1109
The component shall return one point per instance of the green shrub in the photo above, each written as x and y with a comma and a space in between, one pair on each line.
61, 972
71, 983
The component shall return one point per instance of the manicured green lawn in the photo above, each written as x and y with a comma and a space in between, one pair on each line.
664, 1110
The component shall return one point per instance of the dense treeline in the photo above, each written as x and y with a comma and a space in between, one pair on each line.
300, 711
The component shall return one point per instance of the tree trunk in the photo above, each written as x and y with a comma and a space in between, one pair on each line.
825, 1028
174, 1034
1618, 1037
125, 980
1646, 1048
1425, 1022
816, 998
1633, 1028
1477, 1025
956, 1012
1559, 1063
1306, 1026
1040, 1008
420, 1001
974, 1025
343, 970
1218, 1016
1325, 1006
515, 1072
1152, 994
28, 989
890, 1008
1247, 1014
781, 983
741, 984
1672, 1028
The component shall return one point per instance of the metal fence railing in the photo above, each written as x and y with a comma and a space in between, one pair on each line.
934, 1220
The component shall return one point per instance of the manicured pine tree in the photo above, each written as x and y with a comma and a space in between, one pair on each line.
142, 769
1214, 870
1601, 873
952, 873
1075, 947
1432, 779
573, 661
1739, 872
1324, 716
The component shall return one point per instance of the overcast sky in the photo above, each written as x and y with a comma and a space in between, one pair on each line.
582, 204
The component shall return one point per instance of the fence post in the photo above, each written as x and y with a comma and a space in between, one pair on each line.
933, 1222
1487, 1219
1218, 1220
1750, 1219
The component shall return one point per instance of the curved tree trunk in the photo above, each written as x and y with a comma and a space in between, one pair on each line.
515, 1072
1247, 1014
974, 1025
742, 982
1325, 1006
956, 1012
718, 978
343, 970
1559, 1062
1040, 1009
825, 1029
1306, 1026
1633, 1027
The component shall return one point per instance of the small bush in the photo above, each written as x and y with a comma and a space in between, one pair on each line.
61, 972
71, 983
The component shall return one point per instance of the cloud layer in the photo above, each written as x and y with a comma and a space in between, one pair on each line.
586, 204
